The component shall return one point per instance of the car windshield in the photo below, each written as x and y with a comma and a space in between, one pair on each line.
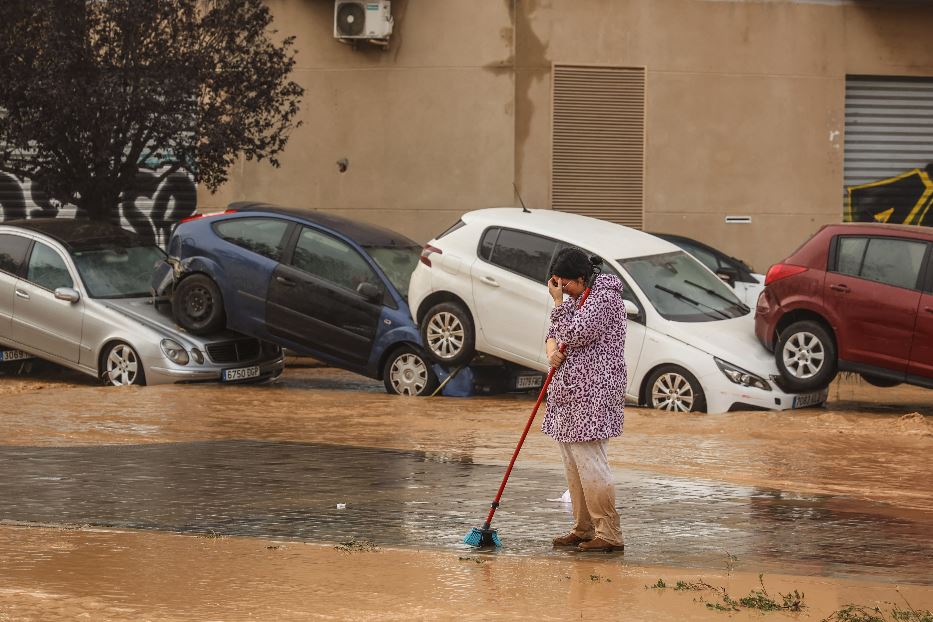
117, 272
682, 290
398, 262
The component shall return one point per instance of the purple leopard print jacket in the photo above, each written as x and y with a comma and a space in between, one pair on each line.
586, 398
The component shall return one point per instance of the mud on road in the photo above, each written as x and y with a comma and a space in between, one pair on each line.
837, 491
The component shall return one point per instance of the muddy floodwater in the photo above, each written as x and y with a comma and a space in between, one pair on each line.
117, 502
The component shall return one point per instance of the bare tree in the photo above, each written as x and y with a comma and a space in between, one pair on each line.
93, 90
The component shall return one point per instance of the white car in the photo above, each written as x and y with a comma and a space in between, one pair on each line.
691, 346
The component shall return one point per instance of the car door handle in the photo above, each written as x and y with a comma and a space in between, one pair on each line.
488, 280
839, 287
20, 293
928, 309
285, 282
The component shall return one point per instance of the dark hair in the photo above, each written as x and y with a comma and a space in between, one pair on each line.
571, 263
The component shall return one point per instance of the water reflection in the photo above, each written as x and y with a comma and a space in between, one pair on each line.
431, 499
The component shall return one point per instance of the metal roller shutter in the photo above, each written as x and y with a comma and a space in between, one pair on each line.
598, 149
889, 150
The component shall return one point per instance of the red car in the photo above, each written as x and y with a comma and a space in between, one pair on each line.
855, 297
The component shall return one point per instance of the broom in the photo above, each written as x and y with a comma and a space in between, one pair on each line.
485, 536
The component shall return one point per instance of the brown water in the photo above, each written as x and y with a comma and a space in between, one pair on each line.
841, 491
53, 574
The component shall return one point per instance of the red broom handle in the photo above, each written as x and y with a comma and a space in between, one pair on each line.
521, 441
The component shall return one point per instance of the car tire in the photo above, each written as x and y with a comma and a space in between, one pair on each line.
878, 381
674, 389
448, 334
805, 355
198, 306
407, 371
120, 366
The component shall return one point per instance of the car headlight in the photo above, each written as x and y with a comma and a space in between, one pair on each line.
740, 376
174, 351
197, 355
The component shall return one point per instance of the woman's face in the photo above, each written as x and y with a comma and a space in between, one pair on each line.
573, 287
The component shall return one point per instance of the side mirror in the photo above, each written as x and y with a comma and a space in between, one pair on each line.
631, 309
372, 293
67, 294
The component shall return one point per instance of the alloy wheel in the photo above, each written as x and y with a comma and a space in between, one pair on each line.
409, 375
445, 335
122, 366
672, 392
803, 355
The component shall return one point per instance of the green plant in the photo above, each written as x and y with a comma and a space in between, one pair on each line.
855, 613
911, 615
730, 562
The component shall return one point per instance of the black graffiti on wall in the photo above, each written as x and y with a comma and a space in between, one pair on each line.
151, 211
902, 199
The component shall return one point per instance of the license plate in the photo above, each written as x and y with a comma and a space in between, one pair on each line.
243, 373
528, 382
810, 399
14, 355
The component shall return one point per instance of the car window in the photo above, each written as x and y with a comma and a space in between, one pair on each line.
117, 272
333, 260
525, 253
398, 263
489, 240
12, 252
264, 236
681, 290
893, 262
706, 258
47, 268
850, 254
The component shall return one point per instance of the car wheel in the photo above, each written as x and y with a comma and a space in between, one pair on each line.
674, 389
806, 356
198, 306
878, 381
448, 334
408, 372
120, 366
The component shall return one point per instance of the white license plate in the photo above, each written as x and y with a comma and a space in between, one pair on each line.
242, 373
528, 382
809, 399
14, 355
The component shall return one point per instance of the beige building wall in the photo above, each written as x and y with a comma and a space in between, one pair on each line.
745, 109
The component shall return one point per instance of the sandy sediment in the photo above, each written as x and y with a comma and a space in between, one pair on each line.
93, 574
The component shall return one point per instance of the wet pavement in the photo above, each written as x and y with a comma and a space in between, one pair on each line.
841, 491
398, 498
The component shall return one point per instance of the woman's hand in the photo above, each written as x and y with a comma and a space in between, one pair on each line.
556, 290
555, 358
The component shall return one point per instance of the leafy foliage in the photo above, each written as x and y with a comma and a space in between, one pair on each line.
93, 91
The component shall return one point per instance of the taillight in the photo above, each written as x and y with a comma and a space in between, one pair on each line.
781, 271
426, 253
196, 216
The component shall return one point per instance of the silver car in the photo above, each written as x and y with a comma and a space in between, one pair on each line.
77, 293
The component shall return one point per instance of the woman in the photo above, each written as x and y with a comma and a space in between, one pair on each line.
585, 400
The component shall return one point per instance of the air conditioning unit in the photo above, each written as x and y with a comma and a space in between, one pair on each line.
355, 20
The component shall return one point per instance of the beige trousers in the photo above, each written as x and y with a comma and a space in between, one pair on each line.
592, 490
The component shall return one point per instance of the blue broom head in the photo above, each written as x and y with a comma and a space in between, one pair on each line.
482, 537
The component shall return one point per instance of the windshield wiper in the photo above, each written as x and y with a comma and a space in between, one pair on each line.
744, 307
698, 305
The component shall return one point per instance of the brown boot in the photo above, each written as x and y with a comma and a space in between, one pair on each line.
598, 544
570, 539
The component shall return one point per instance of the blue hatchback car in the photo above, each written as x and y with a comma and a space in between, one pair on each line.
317, 284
